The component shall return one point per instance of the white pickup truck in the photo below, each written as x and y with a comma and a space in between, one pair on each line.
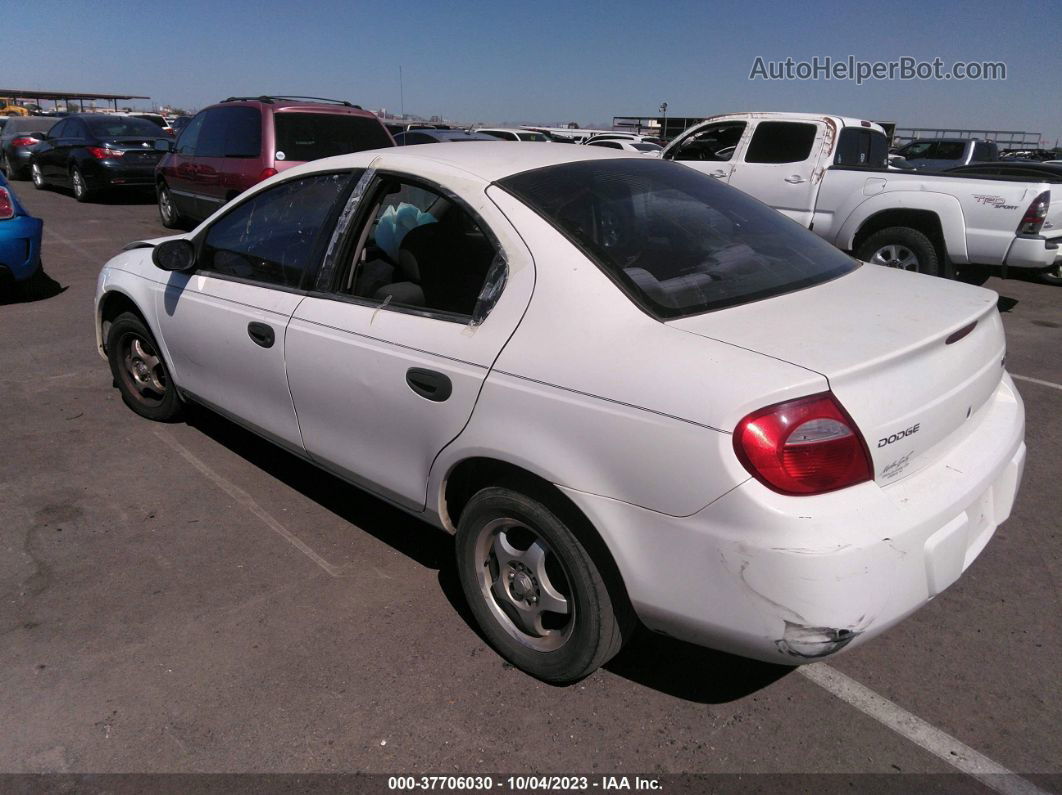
830, 174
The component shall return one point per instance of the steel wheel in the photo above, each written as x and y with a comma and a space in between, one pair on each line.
895, 256
142, 370
524, 585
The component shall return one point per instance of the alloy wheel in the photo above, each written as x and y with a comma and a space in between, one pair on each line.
37, 176
142, 370
896, 256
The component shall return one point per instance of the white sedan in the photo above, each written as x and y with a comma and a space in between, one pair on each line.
632, 147
634, 393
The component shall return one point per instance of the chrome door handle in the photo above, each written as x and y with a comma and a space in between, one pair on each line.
796, 179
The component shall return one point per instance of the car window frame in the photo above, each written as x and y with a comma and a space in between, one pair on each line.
320, 246
697, 131
349, 247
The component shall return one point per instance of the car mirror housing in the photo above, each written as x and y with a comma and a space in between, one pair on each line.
162, 145
174, 255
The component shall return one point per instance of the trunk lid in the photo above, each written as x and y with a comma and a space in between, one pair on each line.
897, 349
138, 148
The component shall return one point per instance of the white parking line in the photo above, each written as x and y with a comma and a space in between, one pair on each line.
248, 502
939, 743
1051, 384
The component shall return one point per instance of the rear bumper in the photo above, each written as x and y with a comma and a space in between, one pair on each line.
114, 173
793, 579
1032, 251
20, 246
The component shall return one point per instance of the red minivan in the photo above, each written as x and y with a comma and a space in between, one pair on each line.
230, 146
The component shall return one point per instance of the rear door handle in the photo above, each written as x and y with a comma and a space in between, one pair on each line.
261, 334
429, 384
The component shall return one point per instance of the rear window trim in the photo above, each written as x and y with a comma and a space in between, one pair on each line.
638, 299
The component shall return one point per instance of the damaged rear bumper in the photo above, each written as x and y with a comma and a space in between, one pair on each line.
794, 579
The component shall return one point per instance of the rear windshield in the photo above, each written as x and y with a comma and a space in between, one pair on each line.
309, 136
118, 126
676, 241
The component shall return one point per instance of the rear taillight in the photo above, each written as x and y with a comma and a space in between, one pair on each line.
102, 153
267, 173
7, 206
1035, 215
23, 141
804, 446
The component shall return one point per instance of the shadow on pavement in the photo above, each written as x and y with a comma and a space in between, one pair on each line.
679, 669
39, 287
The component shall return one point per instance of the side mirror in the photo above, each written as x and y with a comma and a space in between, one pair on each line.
162, 145
174, 255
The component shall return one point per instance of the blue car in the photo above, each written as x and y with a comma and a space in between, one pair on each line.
20, 241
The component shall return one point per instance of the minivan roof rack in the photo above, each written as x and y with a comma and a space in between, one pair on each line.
273, 98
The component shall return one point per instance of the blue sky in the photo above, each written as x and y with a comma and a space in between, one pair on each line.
548, 61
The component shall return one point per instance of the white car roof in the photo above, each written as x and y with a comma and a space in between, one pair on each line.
487, 160
847, 121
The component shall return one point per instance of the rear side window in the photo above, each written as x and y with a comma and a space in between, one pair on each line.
274, 237
861, 147
984, 151
309, 136
230, 132
781, 142
949, 150
676, 241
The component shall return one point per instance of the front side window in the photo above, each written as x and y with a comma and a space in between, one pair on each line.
189, 140
274, 238
950, 150
715, 142
676, 241
918, 151
781, 142
423, 250
309, 136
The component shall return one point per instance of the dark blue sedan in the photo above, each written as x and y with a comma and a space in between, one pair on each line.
20, 241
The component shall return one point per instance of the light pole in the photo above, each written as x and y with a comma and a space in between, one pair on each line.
663, 109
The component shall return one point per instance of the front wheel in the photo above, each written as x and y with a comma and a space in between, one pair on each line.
168, 212
533, 588
139, 370
903, 248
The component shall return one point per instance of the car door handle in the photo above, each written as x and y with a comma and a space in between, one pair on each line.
429, 384
719, 173
796, 179
261, 334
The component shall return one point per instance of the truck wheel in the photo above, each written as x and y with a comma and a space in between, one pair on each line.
1052, 275
901, 247
533, 588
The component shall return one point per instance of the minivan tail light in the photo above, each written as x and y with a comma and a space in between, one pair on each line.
267, 173
1034, 217
803, 447
102, 153
7, 206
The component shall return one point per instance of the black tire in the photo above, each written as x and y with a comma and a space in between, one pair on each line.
82, 192
141, 374
902, 247
14, 173
168, 213
1052, 275
37, 176
572, 647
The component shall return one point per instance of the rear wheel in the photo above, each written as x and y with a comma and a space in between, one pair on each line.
1052, 275
81, 188
903, 248
139, 370
168, 212
533, 588
37, 177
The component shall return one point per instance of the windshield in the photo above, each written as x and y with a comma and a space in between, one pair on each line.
676, 241
120, 126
